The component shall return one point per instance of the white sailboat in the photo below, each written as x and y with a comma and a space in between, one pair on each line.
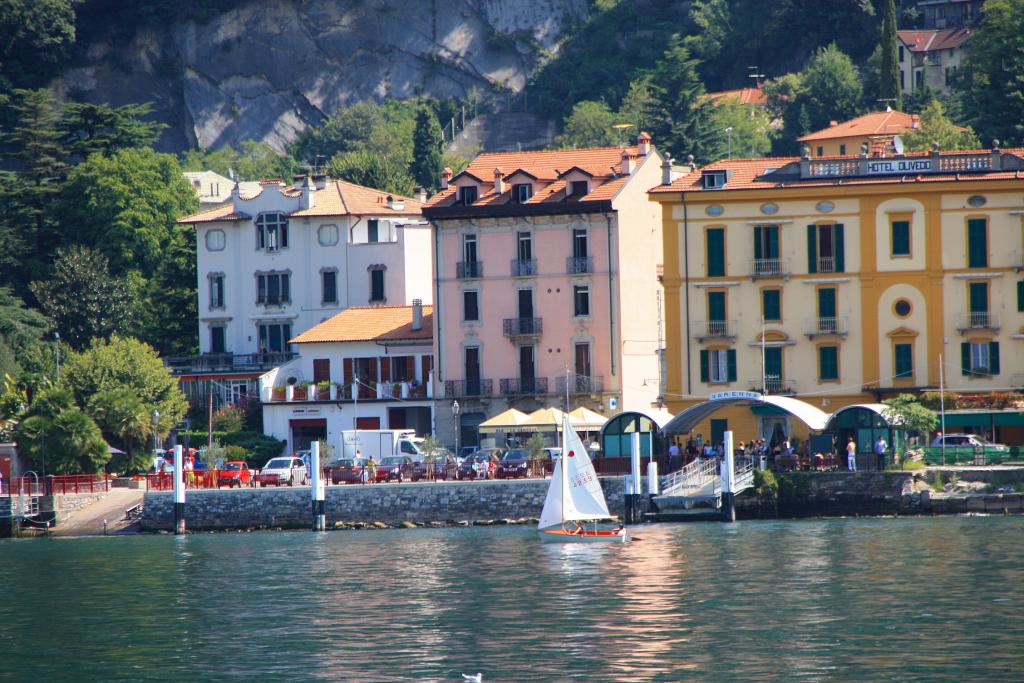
575, 498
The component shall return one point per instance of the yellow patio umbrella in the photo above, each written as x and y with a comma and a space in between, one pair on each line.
508, 421
586, 420
543, 420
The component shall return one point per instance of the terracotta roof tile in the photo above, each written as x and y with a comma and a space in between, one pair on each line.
875, 123
370, 323
221, 213
749, 174
935, 39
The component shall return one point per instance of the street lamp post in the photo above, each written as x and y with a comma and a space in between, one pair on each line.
456, 409
56, 348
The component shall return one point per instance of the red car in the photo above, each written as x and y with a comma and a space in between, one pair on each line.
395, 468
234, 473
347, 471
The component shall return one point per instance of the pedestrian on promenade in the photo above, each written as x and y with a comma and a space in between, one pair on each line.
673, 456
371, 465
851, 455
880, 447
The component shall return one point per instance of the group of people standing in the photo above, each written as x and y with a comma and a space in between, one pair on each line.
786, 453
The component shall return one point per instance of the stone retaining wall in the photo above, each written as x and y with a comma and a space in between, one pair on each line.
389, 503
64, 505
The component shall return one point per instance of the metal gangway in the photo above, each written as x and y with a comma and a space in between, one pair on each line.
704, 481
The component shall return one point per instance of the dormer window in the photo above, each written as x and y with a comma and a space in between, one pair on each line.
580, 188
271, 231
521, 192
714, 180
467, 195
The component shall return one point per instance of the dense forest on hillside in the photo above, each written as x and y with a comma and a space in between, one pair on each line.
93, 255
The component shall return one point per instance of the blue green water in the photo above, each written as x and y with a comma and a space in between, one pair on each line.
929, 599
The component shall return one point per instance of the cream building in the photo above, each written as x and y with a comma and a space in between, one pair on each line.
843, 281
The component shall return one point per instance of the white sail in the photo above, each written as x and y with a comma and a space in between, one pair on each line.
575, 493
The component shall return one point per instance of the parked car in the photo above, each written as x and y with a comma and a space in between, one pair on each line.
466, 471
287, 470
346, 471
514, 464
234, 473
395, 468
443, 467
468, 451
968, 441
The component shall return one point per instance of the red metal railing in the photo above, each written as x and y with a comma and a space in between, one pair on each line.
61, 484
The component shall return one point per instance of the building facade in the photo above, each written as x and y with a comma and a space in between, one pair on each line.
876, 130
364, 368
547, 283
843, 281
274, 263
931, 58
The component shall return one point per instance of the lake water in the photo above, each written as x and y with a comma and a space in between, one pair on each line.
929, 599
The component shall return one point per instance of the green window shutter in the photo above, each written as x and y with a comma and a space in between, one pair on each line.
770, 308
901, 238
904, 360
978, 296
716, 252
705, 375
977, 244
812, 249
1020, 296
965, 358
758, 252
773, 241
731, 362
840, 250
716, 306
993, 358
773, 362
828, 363
826, 302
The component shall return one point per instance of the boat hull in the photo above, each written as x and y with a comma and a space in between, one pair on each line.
588, 536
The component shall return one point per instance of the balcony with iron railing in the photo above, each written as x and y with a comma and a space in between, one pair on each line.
227, 362
772, 385
827, 264
761, 268
524, 267
576, 265
714, 329
523, 386
465, 270
468, 388
579, 384
522, 327
978, 320
825, 327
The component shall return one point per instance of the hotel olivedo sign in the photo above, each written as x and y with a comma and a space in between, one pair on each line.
897, 166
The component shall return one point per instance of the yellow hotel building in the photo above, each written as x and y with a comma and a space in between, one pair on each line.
842, 280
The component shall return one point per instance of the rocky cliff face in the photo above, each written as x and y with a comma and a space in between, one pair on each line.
271, 68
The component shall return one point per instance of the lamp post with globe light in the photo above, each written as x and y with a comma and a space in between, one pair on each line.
456, 409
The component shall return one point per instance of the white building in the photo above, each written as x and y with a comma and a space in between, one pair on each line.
275, 262
364, 368
213, 189
931, 58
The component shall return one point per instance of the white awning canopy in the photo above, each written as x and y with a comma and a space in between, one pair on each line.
685, 421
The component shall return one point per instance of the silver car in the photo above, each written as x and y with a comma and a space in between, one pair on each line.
283, 470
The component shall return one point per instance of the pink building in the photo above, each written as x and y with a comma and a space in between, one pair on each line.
547, 278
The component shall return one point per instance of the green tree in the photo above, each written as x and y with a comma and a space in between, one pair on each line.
427, 148
831, 87
889, 71
35, 37
99, 128
126, 422
639, 105
255, 161
83, 299
372, 170
993, 73
683, 124
59, 438
20, 328
589, 125
126, 364
750, 127
711, 21
168, 320
125, 206
935, 127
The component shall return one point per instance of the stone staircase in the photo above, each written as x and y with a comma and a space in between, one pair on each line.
503, 132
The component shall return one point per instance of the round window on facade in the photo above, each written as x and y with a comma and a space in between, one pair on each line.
825, 207
769, 208
714, 210
902, 308
328, 235
976, 200
215, 240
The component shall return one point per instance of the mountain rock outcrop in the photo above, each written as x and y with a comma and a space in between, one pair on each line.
269, 69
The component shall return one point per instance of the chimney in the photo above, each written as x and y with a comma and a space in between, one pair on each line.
308, 194
395, 203
666, 171
446, 177
421, 195
417, 315
627, 163
643, 144
833, 123
499, 181
320, 181
915, 121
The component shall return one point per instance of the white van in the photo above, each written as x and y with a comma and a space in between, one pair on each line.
379, 443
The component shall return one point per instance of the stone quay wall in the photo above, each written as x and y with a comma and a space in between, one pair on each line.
443, 502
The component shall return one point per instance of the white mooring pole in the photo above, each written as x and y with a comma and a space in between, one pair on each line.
317, 488
728, 472
179, 491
